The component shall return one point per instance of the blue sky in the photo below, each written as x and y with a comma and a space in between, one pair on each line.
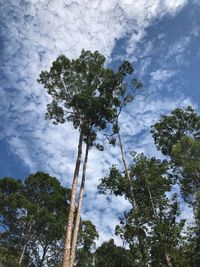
160, 37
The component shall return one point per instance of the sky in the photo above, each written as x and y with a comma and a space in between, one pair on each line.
161, 38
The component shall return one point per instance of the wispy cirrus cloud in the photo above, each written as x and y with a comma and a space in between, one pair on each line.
162, 75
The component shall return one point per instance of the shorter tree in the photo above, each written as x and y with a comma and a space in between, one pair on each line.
110, 255
153, 224
32, 217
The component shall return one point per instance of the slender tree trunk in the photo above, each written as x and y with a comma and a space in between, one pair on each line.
78, 215
68, 236
133, 200
22, 254
168, 259
28, 236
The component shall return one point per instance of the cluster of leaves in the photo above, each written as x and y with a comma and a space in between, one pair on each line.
86, 92
32, 217
170, 129
108, 255
178, 135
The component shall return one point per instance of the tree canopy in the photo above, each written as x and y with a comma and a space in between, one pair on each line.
32, 217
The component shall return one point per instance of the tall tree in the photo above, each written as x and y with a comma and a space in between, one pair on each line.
87, 93
75, 87
120, 98
125, 96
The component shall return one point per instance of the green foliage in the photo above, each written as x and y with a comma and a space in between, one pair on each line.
33, 216
192, 244
170, 129
11, 208
112, 141
86, 244
84, 258
178, 135
84, 91
87, 235
110, 255
8, 259
149, 174
196, 237
186, 162
114, 184
151, 229
117, 184
115, 128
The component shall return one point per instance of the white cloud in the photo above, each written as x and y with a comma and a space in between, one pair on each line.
179, 47
196, 2
162, 75
178, 50
195, 30
174, 6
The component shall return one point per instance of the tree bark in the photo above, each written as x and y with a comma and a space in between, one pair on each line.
133, 200
168, 259
68, 236
22, 254
27, 239
78, 215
